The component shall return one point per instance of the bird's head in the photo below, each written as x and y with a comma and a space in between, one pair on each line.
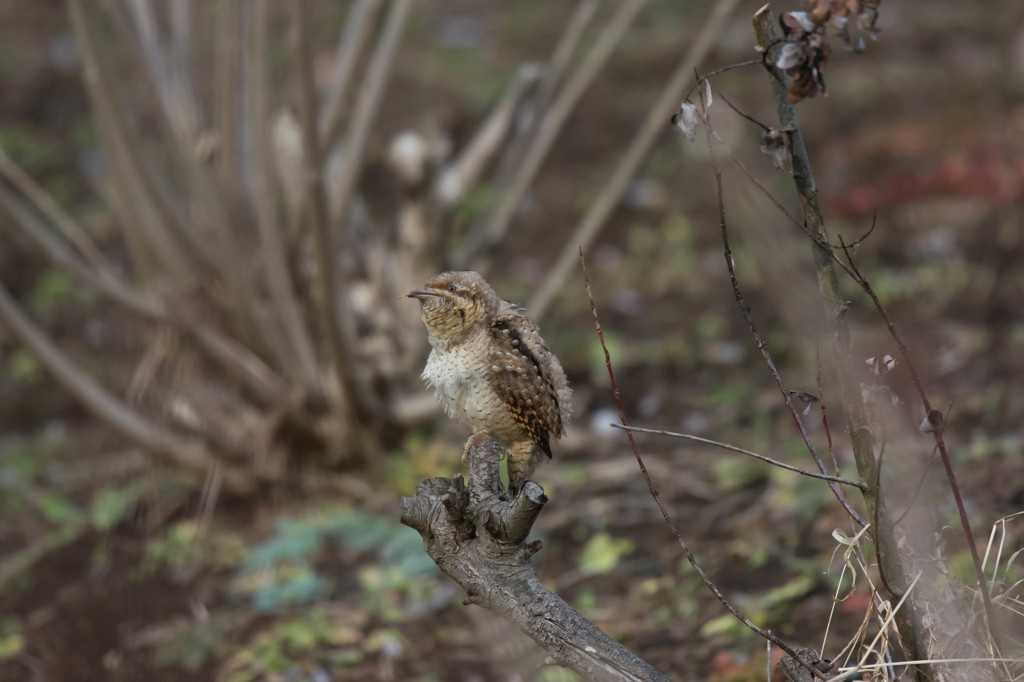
454, 301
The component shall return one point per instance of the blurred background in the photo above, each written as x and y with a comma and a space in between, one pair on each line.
210, 402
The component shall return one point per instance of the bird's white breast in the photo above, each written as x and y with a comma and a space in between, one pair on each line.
459, 376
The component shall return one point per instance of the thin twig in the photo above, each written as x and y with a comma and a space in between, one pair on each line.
759, 342
733, 448
874, 222
887, 547
736, 109
611, 194
767, 634
724, 69
824, 408
940, 443
917, 489
753, 179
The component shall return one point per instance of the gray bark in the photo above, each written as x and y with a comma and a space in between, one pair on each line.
477, 536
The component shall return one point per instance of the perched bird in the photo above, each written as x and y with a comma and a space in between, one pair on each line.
491, 370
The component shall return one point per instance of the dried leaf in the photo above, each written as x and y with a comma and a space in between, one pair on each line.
789, 56
805, 399
797, 21
933, 423
804, 85
773, 144
686, 120
820, 11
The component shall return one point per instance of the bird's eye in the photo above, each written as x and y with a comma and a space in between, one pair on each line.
451, 288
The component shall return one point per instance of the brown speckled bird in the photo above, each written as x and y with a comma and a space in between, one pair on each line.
491, 370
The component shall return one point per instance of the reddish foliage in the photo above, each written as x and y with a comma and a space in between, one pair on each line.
985, 174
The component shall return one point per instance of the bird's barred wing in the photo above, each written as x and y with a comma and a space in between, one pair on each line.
524, 379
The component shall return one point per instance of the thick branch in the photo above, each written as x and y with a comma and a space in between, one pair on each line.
476, 536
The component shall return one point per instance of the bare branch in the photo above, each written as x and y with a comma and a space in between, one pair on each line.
767, 634
567, 44
302, 358
611, 194
140, 196
227, 102
490, 232
331, 304
153, 218
860, 432
759, 342
476, 536
171, 75
459, 177
358, 29
72, 230
733, 448
234, 357
63, 256
185, 452
940, 442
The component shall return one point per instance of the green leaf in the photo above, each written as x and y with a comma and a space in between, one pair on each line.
300, 635
12, 641
58, 510
733, 473
785, 594
23, 365
113, 505
615, 346
727, 625
52, 288
602, 553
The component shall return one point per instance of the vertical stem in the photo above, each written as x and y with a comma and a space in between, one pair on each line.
346, 388
228, 59
910, 628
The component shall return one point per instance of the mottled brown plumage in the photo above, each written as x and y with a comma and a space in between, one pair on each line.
490, 369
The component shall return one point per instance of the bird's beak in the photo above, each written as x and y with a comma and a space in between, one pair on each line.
421, 294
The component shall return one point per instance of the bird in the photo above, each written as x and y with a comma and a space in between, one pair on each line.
491, 370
